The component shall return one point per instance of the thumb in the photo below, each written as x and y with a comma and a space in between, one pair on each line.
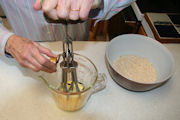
37, 5
44, 50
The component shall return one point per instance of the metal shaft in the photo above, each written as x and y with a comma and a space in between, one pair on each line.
68, 64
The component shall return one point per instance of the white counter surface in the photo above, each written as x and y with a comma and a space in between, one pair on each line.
23, 96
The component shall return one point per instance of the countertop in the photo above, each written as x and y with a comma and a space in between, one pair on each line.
23, 96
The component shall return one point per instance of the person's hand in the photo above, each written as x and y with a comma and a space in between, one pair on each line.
66, 9
30, 54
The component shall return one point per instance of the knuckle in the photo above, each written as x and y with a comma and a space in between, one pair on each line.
22, 63
40, 67
46, 8
62, 15
83, 16
43, 61
52, 14
24, 56
49, 51
30, 46
73, 17
53, 17
26, 52
36, 70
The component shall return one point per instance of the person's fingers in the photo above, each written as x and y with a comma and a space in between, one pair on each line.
43, 60
49, 5
74, 10
27, 64
38, 66
30, 66
37, 5
32, 62
30, 54
52, 14
63, 9
85, 8
44, 50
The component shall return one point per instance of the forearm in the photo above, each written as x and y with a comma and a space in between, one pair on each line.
4, 36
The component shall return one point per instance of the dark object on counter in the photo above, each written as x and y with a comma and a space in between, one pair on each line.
175, 18
165, 26
167, 31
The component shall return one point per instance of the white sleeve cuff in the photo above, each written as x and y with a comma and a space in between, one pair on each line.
110, 8
3, 40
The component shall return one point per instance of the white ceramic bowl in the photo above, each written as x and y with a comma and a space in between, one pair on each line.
154, 51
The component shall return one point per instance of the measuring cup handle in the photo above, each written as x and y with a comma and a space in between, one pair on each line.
100, 83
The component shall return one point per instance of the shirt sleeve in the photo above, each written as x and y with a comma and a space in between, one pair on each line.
110, 8
4, 35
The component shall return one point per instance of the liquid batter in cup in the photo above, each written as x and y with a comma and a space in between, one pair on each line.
89, 82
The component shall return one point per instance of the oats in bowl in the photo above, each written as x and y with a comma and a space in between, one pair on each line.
135, 68
152, 53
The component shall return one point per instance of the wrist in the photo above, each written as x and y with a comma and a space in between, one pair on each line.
9, 44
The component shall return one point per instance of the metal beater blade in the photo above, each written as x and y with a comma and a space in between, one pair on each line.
68, 65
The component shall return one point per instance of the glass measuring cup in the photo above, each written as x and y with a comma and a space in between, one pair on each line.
87, 74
